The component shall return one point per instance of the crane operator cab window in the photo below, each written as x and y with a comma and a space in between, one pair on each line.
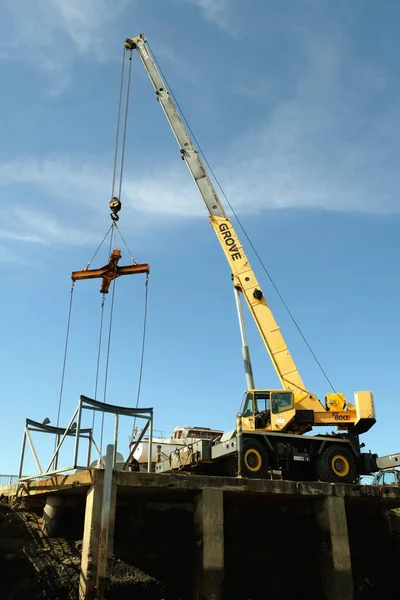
259, 405
248, 405
282, 401
262, 402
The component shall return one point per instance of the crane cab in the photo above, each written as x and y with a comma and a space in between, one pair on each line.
267, 410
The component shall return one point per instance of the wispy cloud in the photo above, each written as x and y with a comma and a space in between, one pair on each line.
50, 34
79, 182
296, 159
84, 21
212, 8
322, 145
215, 11
36, 225
326, 144
64, 200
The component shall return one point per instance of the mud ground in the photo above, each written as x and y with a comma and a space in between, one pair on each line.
34, 567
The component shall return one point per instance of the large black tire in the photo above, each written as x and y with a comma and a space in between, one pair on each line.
336, 464
255, 459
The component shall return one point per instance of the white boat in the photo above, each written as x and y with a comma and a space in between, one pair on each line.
163, 446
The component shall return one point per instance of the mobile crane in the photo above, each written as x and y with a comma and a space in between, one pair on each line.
272, 421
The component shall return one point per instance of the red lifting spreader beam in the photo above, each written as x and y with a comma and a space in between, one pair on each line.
110, 271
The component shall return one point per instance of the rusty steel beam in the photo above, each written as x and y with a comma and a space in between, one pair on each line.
110, 271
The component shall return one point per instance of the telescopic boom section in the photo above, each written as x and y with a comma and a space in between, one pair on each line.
188, 152
243, 276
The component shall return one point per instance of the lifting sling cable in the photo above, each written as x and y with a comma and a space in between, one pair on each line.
115, 206
118, 125
68, 332
101, 333
124, 242
65, 358
292, 317
99, 246
128, 90
103, 299
107, 362
119, 196
144, 329
99, 351
115, 203
146, 295
110, 272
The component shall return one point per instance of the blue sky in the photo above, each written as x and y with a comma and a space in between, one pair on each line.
296, 106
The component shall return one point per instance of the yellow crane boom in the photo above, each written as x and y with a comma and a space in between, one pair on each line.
293, 409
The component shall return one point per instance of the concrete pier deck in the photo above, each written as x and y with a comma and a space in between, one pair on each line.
212, 533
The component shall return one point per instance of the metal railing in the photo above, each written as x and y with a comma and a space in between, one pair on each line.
74, 430
8, 479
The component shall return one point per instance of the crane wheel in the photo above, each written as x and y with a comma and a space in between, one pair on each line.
255, 460
336, 464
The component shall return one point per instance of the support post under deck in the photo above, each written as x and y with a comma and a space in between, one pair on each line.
336, 571
107, 523
209, 533
90, 545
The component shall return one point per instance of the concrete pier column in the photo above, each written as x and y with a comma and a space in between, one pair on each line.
107, 525
52, 516
90, 545
336, 572
208, 576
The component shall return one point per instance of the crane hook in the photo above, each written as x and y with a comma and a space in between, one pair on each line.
115, 206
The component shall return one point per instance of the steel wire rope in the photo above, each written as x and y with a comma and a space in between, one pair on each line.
242, 226
144, 329
99, 246
118, 122
65, 353
108, 350
146, 295
98, 355
113, 226
64, 361
100, 337
122, 237
128, 91
126, 245
67, 337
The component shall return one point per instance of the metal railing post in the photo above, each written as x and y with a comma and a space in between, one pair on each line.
102, 566
89, 452
149, 458
135, 445
239, 437
115, 438
21, 462
77, 434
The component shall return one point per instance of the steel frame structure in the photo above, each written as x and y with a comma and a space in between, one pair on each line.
74, 429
